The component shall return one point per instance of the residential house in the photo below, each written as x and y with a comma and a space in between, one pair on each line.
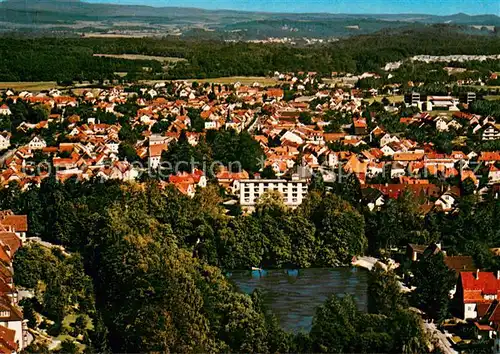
37, 143
4, 140
18, 223
5, 110
359, 126
387, 150
154, 155
476, 291
373, 198
398, 169
8, 340
448, 200
113, 144
489, 158
491, 132
186, 183
388, 138
11, 318
441, 124
231, 180
375, 169
493, 174
393, 191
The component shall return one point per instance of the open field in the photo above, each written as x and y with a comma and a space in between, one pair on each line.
392, 99
29, 86
141, 57
486, 87
492, 98
244, 80
443, 113
120, 35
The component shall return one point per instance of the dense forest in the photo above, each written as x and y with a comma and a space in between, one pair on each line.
137, 271
67, 59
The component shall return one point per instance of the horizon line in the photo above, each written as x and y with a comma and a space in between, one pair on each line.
111, 2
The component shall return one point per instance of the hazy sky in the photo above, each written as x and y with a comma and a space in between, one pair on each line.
438, 7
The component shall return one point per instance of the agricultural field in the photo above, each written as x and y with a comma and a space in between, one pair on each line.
492, 97
244, 80
392, 99
29, 86
141, 57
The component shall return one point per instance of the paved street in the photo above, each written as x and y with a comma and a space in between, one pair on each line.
443, 341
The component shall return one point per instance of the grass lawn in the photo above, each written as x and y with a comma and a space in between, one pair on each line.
492, 98
71, 318
63, 337
67, 322
29, 86
486, 87
441, 113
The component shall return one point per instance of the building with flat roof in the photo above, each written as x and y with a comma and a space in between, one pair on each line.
442, 103
294, 191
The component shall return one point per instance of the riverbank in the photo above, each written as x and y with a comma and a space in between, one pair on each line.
368, 263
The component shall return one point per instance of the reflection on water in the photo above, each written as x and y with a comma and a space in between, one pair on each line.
294, 295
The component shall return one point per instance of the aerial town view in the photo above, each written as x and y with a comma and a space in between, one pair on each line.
250, 176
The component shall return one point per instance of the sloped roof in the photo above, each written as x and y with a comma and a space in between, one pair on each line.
11, 240
486, 282
460, 263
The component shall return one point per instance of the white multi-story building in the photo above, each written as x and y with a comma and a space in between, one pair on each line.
442, 102
294, 191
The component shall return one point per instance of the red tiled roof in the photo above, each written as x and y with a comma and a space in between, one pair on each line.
460, 263
4, 256
394, 190
486, 282
7, 340
18, 222
474, 297
275, 93
483, 327
490, 156
11, 240
156, 150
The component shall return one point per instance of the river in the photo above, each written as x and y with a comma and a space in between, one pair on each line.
294, 296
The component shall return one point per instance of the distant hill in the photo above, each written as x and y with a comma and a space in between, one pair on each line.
79, 16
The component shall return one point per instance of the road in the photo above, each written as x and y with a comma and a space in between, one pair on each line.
442, 340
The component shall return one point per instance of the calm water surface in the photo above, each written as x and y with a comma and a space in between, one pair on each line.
293, 296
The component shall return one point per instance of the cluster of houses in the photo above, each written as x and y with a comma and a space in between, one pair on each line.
385, 163
13, 328
476, 296
298, 139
